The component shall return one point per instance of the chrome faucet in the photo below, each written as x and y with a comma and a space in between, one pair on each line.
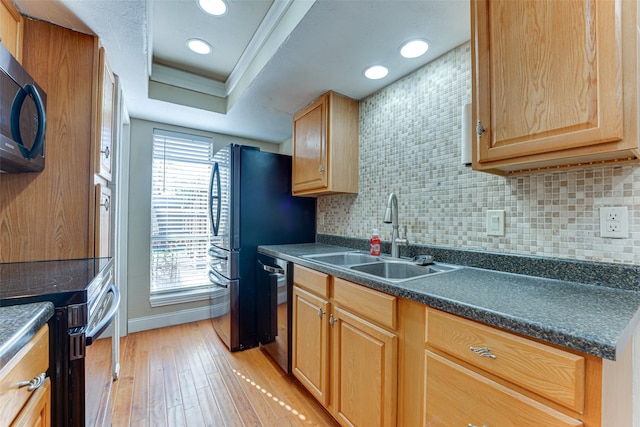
391, 217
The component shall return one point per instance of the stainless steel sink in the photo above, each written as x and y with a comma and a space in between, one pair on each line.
392, 269
400, 271
344, 258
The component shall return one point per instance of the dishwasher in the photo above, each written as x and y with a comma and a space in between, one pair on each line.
274, 287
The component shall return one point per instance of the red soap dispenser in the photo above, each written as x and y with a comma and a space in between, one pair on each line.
374, 243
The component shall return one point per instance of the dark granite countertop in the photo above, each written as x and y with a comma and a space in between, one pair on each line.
597, 320
18, 324
63, 282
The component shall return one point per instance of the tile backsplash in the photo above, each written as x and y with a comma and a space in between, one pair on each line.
410, 144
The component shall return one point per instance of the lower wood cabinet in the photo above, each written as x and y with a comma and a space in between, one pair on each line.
364, 366
310, 355
457, 396
373, 359
37, 411
348, 361
27, 405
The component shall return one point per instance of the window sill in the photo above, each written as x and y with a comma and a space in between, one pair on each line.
185, 296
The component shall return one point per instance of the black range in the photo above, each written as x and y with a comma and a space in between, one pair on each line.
86, 300
62, 282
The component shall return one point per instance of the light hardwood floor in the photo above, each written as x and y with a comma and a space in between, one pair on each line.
184, 376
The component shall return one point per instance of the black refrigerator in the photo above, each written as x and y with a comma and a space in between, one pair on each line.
250, 204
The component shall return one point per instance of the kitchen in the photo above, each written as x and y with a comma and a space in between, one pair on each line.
443, 203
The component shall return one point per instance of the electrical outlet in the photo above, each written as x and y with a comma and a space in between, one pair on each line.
614, 222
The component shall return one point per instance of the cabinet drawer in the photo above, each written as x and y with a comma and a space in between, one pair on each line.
549, 372
373, 305
456, 396
311, 280
31, 360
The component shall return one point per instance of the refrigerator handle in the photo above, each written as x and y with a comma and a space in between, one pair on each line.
215, 197
213, 278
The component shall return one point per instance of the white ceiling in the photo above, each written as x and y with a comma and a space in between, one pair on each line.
270, 58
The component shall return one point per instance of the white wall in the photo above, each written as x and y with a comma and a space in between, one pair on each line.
140, 313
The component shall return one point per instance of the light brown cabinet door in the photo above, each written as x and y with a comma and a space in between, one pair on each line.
37, 411
457, 396
325, 147
106, 107
365, 372
103, 221
310, 149
548, 81
310, 336
11, 29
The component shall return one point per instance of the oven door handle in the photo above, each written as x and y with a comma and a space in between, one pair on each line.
93, 334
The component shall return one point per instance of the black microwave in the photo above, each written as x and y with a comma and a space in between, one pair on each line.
22, 118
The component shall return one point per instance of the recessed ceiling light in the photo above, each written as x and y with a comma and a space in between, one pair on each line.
414, 48
213, 7
376, 72
199, 46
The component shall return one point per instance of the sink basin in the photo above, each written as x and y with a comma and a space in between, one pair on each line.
344, 258
391, 269
399, 271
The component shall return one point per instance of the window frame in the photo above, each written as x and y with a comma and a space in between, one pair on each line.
173, 150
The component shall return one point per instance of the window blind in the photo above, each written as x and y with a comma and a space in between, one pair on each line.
181, 169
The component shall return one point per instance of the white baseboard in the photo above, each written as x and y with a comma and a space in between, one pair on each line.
175, 318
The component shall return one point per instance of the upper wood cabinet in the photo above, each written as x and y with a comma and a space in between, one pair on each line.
63, 62
555, 84
325, 146
11, 29
104, 115
103, 221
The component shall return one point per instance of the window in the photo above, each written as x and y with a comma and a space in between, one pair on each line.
179, 218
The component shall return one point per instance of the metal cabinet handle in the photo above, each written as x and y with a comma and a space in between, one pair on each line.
483, 352
332, 320
320, 169
105, 152
320, 312
473, 425
35, 383
480, 129
105, 204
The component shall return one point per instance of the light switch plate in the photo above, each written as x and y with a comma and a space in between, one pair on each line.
614, 222
495, 222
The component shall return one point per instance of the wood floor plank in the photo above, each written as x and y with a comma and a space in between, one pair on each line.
171, 383
193, 417
122, 409
228, 409
210, 410
241, 401
175, 417
191, 379
187, 390
157, 405
140, 397
255, 371
195, 346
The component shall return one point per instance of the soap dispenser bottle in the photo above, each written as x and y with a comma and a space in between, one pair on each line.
374, 243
